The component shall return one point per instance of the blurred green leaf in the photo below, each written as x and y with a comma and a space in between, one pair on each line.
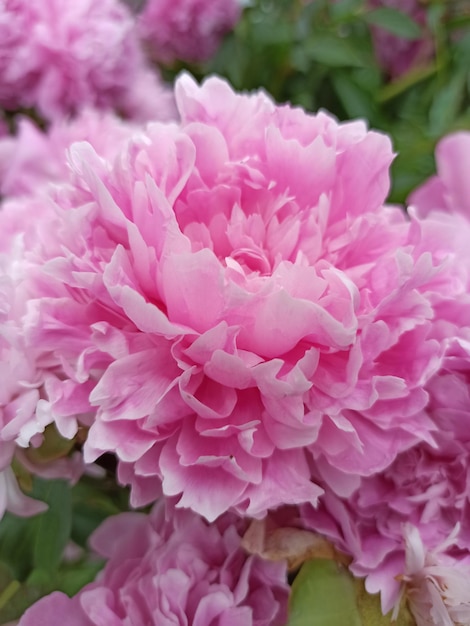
76, 577
273, 33
325, 594
461, 51
52, 527
356, 102
92, 502
446, 104
38, 542
16, 544
333, 51
434, 16
406, 81
343, 9
394, 21
16, 597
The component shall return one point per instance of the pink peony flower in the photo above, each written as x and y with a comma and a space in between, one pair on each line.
171, 568
395, 54
59, 56
237, 298
188, 30
229, 302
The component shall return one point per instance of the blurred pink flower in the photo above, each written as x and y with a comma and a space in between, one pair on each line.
188, 30
59, 56
449, 189
33, 159
229, 301
396, 54
18, 395
171, 567
29, 163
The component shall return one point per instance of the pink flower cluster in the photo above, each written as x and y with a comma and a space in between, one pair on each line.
427, 485
59, 56
169, 568
187, 30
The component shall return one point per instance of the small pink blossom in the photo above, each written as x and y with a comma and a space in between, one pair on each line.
171, 567
188, 30
58, 56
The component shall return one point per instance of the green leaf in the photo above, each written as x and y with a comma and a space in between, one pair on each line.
408, 80
273, 33
16, 597
342, 9
76, 577
52, 527
325, 594
16, 544
356, 102
446, 104
38, 542
434, 15
91, 504
461, 50
394, 22
333, 51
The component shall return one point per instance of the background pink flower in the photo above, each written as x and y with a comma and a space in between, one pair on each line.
171, 567
449, 189
18, 394
32, 158
29, 163
396, 54
58, 56
188, 30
